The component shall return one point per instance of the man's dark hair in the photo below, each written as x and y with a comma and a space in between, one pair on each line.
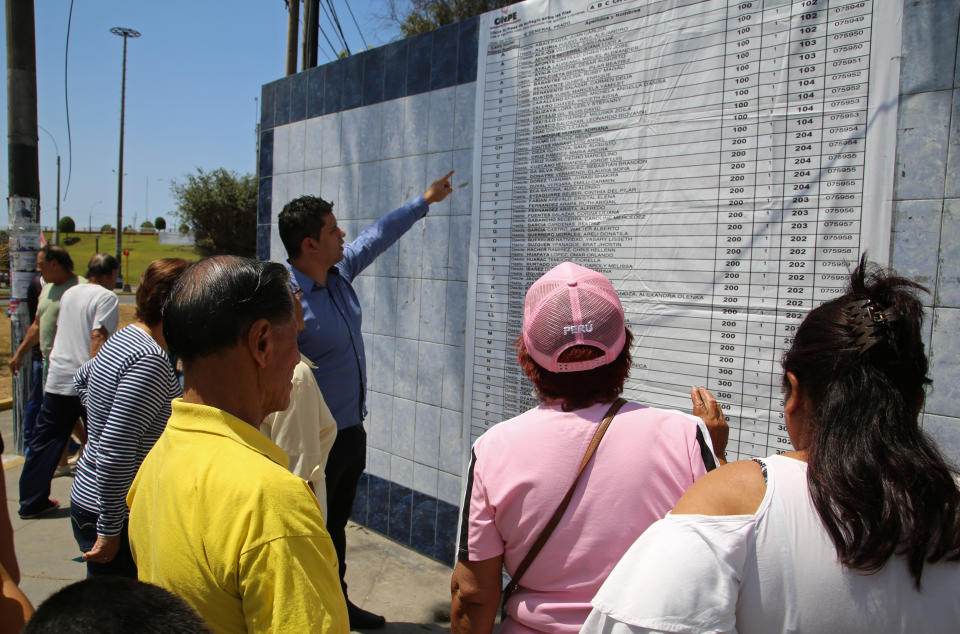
54, 253
102, 264
216, 300
114, 605
301, 218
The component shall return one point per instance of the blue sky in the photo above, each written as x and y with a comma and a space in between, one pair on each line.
192, 79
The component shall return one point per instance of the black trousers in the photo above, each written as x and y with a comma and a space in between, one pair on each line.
345, 465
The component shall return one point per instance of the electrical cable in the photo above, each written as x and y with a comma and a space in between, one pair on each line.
336, 24
66, 102
330, 20
355, 23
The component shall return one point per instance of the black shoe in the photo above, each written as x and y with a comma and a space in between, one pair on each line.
360, 619
52, 505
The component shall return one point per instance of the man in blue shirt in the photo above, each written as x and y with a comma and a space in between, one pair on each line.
324, 268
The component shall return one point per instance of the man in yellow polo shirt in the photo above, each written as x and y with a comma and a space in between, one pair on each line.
215, 516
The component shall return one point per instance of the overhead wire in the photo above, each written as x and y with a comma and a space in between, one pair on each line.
330, 20
335, 20
356, 24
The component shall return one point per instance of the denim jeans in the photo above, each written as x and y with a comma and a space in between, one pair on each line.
32, 410
50, 435
84, 525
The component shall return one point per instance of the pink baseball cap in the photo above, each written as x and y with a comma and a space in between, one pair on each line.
572, 306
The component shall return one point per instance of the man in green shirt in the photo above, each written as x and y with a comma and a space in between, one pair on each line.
56, 267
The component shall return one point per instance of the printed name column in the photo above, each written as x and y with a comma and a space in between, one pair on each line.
493, 273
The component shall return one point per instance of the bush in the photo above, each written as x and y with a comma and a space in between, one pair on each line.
160, 224
107, 229
71, 240
67, 225
146, 225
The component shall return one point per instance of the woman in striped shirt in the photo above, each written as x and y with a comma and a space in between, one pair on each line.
126, 390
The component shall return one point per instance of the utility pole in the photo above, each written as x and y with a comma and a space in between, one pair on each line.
124, 33
293, 25
311, 26
23, 183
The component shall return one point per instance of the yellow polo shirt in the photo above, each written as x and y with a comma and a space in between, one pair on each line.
216, 518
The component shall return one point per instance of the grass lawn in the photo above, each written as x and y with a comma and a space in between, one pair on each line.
144, 249
6, 380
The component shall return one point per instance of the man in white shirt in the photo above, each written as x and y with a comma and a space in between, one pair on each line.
88, 315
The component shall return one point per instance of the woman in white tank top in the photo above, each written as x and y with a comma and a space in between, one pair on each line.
858, 530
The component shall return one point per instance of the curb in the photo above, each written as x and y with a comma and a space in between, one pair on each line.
6, 404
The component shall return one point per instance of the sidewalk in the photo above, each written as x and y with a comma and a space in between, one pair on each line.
411, 590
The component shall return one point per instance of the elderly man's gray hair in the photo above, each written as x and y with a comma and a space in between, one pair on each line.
216, 300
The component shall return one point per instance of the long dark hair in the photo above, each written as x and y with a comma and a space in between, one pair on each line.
877, 481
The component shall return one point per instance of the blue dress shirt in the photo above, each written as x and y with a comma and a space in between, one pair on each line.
332, 316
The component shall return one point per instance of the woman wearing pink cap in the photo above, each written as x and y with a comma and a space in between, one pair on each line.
575, 348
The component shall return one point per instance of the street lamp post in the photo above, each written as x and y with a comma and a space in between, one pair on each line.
124, 33
56, 227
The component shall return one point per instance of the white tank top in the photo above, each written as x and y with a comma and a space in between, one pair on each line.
773, 571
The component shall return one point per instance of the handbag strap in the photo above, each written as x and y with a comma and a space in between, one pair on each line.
552, 524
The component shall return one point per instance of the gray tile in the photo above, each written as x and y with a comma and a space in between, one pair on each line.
414, 176
436, 245
383, 363
365, 287
296, 139
441, 121
952, 189
929, 43
313, 182
945, 430
379, 422
408, 308
922, 145
459, 256
401, 471
433, 298
349, 188
451, 441
281, 150
388, 262
330, 150
415, 121
430, 373
411, 246
391, 185
448, 488
453, 369
461, 200
351, 135
405, 371
295, 184
393, 114
463, 120
385, 317
372, 121
916, 235
455, 314
425, 479
368, 190
313, 145
948, 277
426, 449
378, 463
944, 398
330, 190
404, 419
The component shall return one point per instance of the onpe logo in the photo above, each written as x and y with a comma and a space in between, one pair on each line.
503, 19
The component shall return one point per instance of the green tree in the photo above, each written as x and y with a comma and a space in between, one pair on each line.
427, 15
67, 225
107, 229
160, 223
220, 207
146, 225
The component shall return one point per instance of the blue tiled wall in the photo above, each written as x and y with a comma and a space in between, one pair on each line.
408, 79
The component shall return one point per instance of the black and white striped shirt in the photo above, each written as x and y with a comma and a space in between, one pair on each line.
126, 390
